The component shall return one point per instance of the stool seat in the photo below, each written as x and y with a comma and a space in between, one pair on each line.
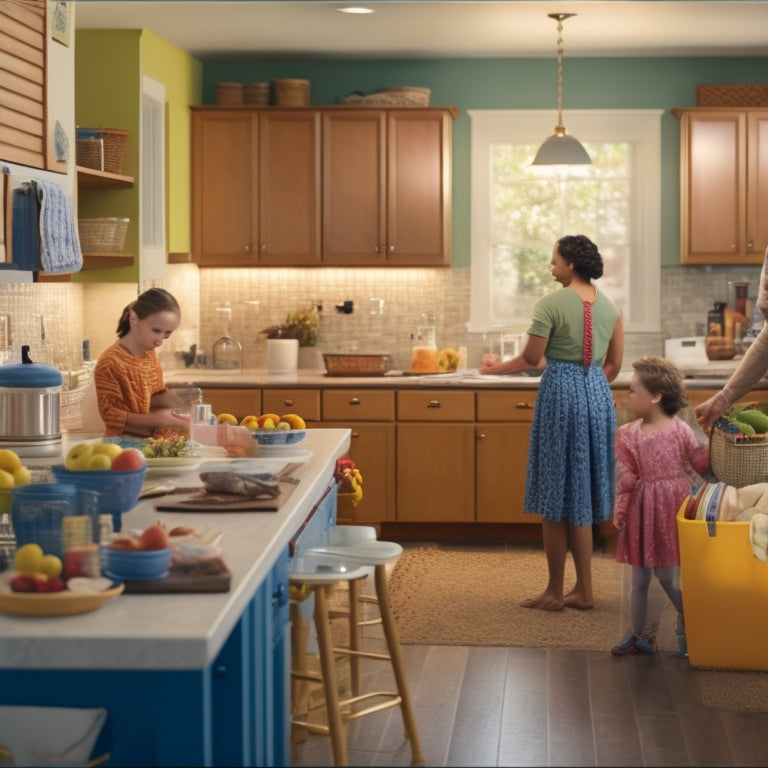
369, 552
318, 567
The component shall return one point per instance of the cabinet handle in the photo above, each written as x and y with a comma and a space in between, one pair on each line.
355, 434
289, 403
263, 246
750, 244
354, 401
248, 247
733, 246
522, 405
391, 248
280, 595
481, 435
376, 248
434, 404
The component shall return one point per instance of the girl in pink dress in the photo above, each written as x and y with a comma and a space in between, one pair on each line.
654, 455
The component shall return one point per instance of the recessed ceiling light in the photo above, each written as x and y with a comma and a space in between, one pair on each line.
354, 9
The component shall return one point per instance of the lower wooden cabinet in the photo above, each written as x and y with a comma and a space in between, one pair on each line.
239, 402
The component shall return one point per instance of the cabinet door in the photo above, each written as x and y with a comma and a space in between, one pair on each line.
713, 156
372, 448
304, 402
239, 402
757, 184
500, 468
418, 187
225, 194
289, 185
435, 472
354, 179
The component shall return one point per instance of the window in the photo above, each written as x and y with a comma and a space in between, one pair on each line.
519, 210
152, 179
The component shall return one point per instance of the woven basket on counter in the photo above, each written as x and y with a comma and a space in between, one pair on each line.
102, 149
736, 95
396, 96
737, 459
291, 92
229, 94
256, 94
105, 235
357, 365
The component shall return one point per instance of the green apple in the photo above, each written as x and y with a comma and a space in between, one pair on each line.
78, 457
99, 462
109, 449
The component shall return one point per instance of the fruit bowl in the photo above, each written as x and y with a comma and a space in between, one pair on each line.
279, 436
118, 491
134, 565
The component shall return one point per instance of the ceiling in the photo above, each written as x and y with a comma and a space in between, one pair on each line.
293, 28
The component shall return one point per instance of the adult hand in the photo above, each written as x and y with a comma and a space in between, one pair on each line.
488, 363
708, 412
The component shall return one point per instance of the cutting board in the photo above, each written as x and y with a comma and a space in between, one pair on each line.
200, 500
179, 581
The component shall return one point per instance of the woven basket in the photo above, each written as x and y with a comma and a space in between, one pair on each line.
396, 96
256, 94
738, 459
102, 149
229, 94
290, 92
357, 365
739, 95
106, 235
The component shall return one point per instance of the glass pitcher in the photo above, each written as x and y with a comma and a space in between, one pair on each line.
424, 351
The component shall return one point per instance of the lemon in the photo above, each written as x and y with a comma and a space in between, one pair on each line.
22, 476
6, 480
9, 460
51, 566
28, 559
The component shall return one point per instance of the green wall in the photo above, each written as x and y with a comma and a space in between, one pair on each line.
108, 69
588, 83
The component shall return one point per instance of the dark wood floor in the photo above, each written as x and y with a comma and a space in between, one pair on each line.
479, 706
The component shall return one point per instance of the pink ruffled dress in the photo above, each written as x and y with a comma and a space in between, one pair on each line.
652, 480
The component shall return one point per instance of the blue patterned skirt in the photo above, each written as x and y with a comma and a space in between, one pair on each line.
571, 469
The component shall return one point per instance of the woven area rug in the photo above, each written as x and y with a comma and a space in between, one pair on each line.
734, 691
469, 596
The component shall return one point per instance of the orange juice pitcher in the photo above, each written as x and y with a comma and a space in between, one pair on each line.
424, 351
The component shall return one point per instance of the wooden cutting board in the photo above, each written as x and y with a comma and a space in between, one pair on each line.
179, 581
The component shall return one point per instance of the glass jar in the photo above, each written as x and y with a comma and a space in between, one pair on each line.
424, 351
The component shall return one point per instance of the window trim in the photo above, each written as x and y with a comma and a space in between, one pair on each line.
642, 127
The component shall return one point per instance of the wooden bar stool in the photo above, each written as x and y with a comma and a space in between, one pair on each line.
319, 569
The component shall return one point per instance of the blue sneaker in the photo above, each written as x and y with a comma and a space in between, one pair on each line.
644, 642
626, 646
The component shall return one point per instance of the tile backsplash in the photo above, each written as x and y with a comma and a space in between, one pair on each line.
389, 304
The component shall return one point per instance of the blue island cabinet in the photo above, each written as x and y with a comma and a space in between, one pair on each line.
233, 712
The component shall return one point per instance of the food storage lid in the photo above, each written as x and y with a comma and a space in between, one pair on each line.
29, 374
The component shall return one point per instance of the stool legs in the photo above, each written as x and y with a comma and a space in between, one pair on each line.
398, 665
328, 670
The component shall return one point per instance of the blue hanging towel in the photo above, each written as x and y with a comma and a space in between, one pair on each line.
60, 244
25, 230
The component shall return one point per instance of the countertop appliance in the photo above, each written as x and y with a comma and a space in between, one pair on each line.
687, 352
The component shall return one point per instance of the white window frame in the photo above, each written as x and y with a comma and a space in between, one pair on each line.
641, 127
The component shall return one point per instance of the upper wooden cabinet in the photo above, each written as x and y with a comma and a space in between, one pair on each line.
344, 186
255, 187
393, 170
724, 185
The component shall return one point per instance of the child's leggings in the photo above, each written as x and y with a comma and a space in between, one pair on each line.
641, 581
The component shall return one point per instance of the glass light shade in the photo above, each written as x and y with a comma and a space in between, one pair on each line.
561, 149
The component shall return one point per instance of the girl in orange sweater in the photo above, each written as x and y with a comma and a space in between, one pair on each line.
130, 391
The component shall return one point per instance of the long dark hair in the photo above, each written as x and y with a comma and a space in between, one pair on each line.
580, 251
150, 302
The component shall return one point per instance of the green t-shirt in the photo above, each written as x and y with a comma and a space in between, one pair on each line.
559, 317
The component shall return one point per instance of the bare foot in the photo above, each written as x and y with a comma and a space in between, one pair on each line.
544, 602
576, 600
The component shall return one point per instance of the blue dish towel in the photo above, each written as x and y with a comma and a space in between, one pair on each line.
25, 238
60, 244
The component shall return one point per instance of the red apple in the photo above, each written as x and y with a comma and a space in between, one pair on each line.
154, 537
52, 585
128, 460
23, 583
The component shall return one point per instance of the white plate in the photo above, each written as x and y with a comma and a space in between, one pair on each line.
173, 463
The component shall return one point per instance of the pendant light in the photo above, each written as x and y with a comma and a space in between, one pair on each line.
560, 148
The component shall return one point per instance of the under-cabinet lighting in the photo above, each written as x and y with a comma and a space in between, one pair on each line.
355, 9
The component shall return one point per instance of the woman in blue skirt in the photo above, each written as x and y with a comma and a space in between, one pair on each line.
570, 482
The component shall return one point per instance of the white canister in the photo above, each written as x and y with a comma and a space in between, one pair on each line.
282, 355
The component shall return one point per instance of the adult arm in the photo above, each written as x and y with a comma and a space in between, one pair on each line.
532, 356
614, 356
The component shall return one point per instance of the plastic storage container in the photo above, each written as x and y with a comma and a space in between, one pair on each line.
725, 594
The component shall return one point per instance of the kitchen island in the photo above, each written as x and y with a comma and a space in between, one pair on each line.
188, 679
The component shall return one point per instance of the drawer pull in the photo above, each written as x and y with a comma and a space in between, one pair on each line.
522, 405
355, 434
434, 404
289, 403
354, 401
481, 436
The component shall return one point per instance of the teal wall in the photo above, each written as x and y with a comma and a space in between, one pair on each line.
588, 83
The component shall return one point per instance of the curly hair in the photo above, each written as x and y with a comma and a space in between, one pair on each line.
661, 377
149, 303
580, 251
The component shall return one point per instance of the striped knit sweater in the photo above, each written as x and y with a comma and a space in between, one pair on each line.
125, 384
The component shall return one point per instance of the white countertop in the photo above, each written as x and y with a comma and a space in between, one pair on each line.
176, 631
